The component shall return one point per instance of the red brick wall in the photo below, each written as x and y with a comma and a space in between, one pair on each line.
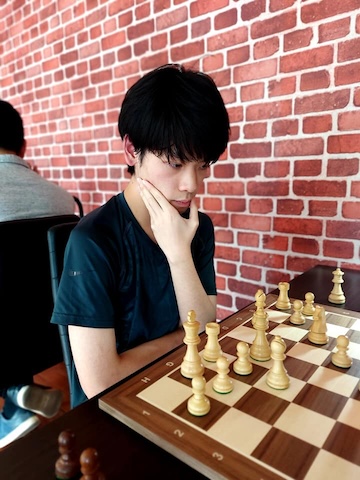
286, 195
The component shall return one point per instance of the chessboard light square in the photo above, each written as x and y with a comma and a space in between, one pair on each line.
356, 325
333, 381
308, 353
288, 394
354, 350
277, 316
335, 330
239, 431
331, 467
239, 390
212, 365
166, 394
289, 332
305, 424
246, 334
350, 414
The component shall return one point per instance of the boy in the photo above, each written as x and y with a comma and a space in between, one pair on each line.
135, 266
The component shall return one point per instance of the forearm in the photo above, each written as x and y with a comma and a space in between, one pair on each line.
190, 293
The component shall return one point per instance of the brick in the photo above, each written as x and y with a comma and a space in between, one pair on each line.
319, 188
235, 204
224, 236
284, 86
255, 130
355, 189
322, 208
307, 168
342, 167
251, 150
263, 259
344, 143
327, 8
228, 253
274, 277
248, 239
224, 300
275, 242
202, 8
273, 25
252, 273
266, 48
347, 74
289, 207
280, 128
322, 102
343, 229
225, 268
254, 71
301, 264
240, 303
298, 39
200, 28
349, 120
333, 30
267, 110
315, 80
305, 245
213, 204
317, 124
351, 210
250, 222
301, 147
300, 61
225, 188
233, 37
277, 169
252, 92
238, 55
263, 206
272, 188
336, 249
226, 19
300, 226
219, 219
252, 10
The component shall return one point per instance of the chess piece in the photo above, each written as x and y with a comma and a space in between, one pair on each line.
297, 318
90, 466
337, 295
283, 301
277, 377
318, 329
198, 405
222, 382
260, 303
308, 308
243, 366
341, 358
212, 350
260, 349
67, 466
191, 365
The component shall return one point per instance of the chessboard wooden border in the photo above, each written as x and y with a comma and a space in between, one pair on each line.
189, 444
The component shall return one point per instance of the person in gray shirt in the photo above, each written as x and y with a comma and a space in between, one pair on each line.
25, 194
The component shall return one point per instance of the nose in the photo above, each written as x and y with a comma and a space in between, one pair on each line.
190, 179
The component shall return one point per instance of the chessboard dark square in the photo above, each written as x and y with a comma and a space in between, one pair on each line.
321, 401
286, 453
344, 441
217, 410
299, 368
261, 405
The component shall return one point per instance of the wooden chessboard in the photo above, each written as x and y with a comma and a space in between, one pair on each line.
310, 430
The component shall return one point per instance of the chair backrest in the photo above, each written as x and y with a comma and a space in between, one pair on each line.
26, 302
58, 236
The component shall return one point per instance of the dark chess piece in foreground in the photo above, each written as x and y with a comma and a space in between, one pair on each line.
90, 465
67, 466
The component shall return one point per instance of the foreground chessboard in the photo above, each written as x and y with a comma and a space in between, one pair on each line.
309, 431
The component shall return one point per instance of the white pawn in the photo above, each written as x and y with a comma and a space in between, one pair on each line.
297, 318
309, 308
283, 301
222, 382
243, 366
198, 404
212, 350
277, 377
341, 358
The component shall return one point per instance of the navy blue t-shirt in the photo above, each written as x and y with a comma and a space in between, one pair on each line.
115, 276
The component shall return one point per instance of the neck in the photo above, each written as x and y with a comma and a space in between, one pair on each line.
137, 207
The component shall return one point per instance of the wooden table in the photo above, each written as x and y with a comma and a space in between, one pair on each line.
124, 453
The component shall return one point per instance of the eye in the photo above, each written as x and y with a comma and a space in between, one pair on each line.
175, 164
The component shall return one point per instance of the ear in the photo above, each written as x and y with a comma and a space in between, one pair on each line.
23, 150
129, 151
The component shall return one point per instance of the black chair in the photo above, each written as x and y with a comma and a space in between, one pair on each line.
58, 236
29, 343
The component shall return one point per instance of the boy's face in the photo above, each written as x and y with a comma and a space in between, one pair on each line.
178, 182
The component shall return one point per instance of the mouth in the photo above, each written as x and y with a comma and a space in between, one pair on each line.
181, 203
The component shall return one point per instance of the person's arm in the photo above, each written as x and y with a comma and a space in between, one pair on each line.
174, 235
98, 364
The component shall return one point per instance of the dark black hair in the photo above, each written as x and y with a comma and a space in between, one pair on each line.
175, 112
11, 128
